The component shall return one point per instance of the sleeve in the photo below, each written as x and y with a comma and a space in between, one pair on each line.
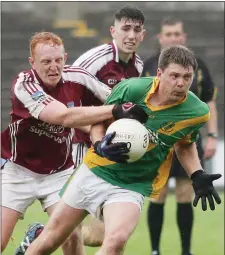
208, 91
93, 60
190, 138
30, 94
194, 133
81, 62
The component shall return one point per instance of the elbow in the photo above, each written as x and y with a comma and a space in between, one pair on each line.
212, 106
64, 119
183, 146
57, 114
71, 119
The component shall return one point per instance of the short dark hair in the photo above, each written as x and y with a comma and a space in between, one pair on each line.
130, 13
178, 54
170, 21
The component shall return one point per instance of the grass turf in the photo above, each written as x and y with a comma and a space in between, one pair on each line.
208, 231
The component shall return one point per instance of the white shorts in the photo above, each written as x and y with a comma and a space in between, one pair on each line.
87, 191
21, 187
79, 150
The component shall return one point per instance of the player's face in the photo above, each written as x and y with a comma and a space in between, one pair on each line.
172, 35
128, 34
175, 81
48, 61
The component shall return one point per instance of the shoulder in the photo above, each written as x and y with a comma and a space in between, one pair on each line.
93, 52
130, 90
139, 64
199, 107
135, 86
200, 61
201, 64
25, 79
137, 83
75, 74
25, 76
95, 58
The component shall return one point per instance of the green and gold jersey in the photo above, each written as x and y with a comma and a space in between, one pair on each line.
166, 124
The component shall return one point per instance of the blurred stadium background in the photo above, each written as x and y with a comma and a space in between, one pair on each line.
84, 25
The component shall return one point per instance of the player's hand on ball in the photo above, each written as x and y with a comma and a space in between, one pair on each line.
114, 152
129, 111
204, 189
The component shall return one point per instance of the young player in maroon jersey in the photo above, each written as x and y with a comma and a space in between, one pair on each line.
37, 143
110, 63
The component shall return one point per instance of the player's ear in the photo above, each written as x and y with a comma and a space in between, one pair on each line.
159, 73
31, 61
159, 36
112, 31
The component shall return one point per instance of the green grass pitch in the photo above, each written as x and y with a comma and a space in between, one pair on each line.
208, 232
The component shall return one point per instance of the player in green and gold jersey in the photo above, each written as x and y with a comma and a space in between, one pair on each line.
104, 187
167, 124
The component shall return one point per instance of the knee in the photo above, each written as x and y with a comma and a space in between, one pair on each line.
115, 241
184, 193
93, 235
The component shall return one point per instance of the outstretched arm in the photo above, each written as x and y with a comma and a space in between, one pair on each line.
202, 182
57, 113
188, 157
41, 105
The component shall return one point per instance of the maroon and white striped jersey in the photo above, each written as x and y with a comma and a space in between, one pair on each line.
41, 147
103, 62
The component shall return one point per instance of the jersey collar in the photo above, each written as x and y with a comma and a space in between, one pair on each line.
38, 78
116, 56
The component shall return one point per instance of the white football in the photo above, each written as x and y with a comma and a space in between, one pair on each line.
134, 134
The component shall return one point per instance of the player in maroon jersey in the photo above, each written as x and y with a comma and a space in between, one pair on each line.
110, 63
37, 143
